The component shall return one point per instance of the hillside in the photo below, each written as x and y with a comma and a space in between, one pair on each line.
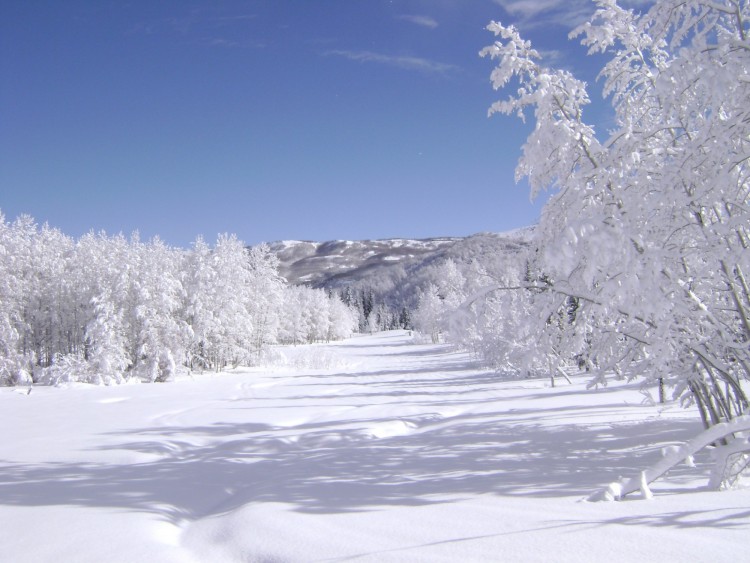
339, 263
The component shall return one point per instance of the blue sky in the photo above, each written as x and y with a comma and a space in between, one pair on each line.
271, 119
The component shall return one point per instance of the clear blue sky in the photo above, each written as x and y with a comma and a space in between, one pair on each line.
271, 119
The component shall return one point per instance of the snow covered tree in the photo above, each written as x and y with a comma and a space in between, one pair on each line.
318, 312
224, 281
107, 335
367, 303
343, 320
292, 327
266, 288
430, 313
312, 315
103, 271
200, 305
160, 335
451, 283
499, 326
648, 230
404, 319
440, 300
14, 365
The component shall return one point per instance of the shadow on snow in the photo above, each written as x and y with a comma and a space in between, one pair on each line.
325, 467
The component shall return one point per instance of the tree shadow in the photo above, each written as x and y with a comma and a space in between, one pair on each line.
360, 463
325, 468
730, 518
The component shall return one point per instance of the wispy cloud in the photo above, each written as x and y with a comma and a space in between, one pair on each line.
403, 62
527, 9
553, 57
538, 13
198, 27
424, 21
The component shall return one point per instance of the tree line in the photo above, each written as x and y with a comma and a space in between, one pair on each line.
104, 309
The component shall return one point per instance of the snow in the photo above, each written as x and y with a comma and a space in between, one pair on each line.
391, 451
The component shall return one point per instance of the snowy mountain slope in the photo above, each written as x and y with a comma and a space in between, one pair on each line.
323, 264
372, 449
338, 263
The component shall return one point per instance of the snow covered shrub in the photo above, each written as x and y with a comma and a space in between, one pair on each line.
648, 231
13, 370
69, 368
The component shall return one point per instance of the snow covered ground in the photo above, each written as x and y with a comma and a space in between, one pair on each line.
373, 449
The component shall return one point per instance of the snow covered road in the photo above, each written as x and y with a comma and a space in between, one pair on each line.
373, 449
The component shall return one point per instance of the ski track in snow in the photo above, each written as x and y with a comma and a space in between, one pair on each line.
396, 452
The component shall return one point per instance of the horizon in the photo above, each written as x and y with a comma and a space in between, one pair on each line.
136, 234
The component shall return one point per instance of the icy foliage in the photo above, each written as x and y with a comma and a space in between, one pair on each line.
643, 249
104, 309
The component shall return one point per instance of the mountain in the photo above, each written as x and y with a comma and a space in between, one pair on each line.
381, 263
340, 262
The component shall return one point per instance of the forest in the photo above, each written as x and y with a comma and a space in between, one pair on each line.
104, 309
